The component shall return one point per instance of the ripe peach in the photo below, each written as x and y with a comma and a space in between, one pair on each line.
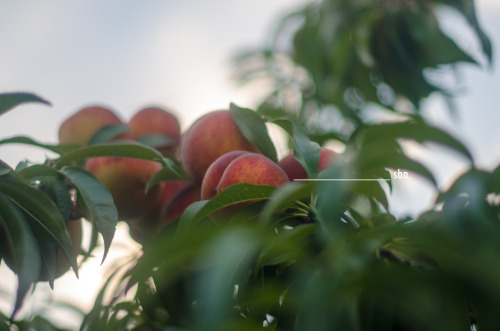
211, 136
82, 125
180, 201
154, 120
126, 179
294, 169
215, 172
252, 168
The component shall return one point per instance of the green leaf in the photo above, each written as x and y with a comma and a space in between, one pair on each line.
108, 133
304, 150
171, 171
39, 172
232, 195
4, 168
58, 149
98, 200
415, 130
285, 196
59, 193
11, 100
22, 247
154, 140
229, 256
43, 210
253, 127
117, 149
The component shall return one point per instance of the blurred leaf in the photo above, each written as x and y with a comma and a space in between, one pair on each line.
154, 140
58, 149
229, 257
22, 248
467, 8
304, 150
11, 100
108, 133
284, 197
43, 210
98, 201
4, 168
118, 149
171, 171
418, 131
253, 127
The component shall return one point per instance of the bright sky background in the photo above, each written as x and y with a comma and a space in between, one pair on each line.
126, 55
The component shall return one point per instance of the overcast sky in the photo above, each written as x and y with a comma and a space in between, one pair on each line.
126, 55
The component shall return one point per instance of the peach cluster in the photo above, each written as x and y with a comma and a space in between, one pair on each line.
213, 152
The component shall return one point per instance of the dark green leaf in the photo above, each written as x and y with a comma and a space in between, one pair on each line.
253, 127
39, 172
117, 149
98, 201
43, 210
22, 251
304, 150
10, 100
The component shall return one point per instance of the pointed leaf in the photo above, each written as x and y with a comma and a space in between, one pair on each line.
23, 247
10, 100
253, 127
304, 150
58, 149
98, 200
43, 210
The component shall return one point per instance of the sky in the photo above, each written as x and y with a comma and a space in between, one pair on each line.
126, 55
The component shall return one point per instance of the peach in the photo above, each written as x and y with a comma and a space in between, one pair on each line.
252, 168
180, 201
215, 172
294, 169
155, 120
82, 125
208, 138
126, 179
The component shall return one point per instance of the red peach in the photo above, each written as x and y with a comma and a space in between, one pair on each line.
215, 172
155, 120
82, 125
210, 137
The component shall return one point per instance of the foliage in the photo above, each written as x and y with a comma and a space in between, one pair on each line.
320, 254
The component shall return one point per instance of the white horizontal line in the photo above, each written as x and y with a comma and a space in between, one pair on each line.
341, 180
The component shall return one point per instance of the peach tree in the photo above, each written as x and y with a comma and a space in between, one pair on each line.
320, 252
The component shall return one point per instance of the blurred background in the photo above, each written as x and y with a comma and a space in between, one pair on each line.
178, 55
